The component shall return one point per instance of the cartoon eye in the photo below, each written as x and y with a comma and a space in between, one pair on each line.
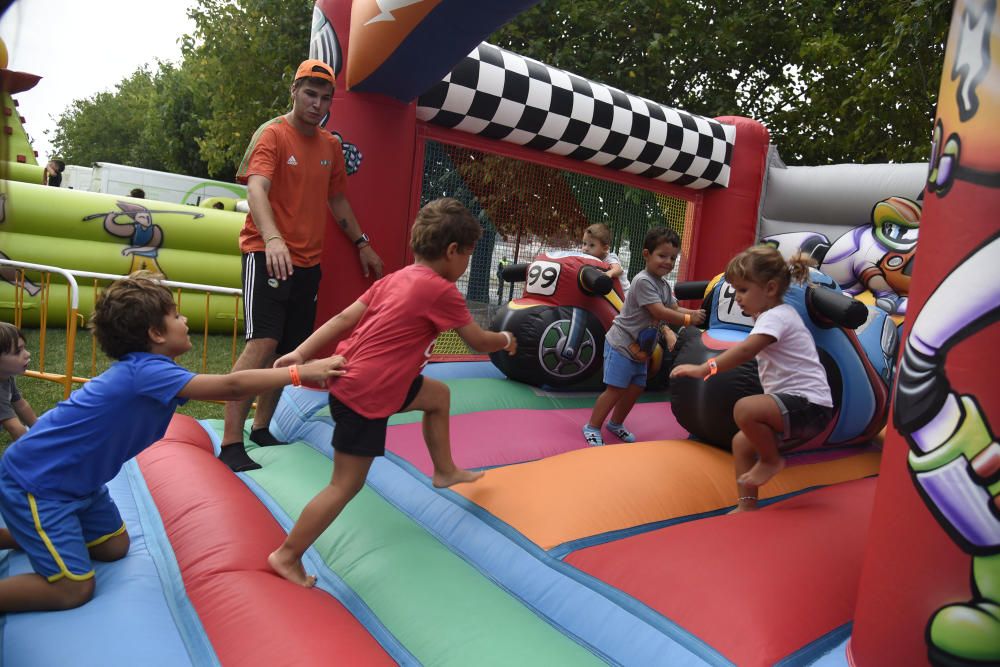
943, 174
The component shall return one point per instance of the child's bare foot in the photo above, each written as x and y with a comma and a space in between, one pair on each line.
291, 569
761, 473
744, 507
458, 476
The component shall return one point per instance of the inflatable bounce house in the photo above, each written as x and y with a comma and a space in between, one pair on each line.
576, 555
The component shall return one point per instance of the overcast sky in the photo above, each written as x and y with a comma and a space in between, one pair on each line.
83, 47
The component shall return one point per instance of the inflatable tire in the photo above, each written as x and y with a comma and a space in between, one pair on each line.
705, 409
542, 333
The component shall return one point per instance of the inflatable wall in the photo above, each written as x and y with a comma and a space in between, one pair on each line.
930, 588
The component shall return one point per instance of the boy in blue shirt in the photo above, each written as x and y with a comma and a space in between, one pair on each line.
53, 494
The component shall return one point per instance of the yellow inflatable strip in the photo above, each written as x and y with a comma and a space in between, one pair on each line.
600, 489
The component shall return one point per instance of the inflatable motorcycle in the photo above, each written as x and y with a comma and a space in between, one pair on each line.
857, 346
560, 320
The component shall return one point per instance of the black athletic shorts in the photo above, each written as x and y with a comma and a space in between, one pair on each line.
284, 310
803, 420
361, 436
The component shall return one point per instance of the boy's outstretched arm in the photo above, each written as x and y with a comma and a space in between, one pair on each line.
481, 340
731, 358
675, 316
241, 384
331, 331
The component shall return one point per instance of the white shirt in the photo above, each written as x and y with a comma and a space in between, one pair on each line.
790, 365
612, 259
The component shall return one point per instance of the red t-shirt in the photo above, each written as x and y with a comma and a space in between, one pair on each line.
305, 171
406, 310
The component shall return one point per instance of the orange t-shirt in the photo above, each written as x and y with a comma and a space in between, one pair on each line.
305, 171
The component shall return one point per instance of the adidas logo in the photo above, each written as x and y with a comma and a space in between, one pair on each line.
292, 161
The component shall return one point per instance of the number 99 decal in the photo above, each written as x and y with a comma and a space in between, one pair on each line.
542, 278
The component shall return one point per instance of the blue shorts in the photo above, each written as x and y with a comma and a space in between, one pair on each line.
56, 534
621, 370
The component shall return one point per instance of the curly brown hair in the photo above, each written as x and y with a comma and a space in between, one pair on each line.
439, 224
125, 311
762, 263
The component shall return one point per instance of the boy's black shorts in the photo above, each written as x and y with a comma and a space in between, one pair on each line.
361, 436
803, 420
284, 310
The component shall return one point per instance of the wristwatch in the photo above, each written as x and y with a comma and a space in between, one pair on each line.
362, 240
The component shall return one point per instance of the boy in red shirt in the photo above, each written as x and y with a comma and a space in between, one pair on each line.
392, 329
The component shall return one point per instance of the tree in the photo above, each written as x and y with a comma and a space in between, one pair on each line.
108, 126
833, 82
241, 60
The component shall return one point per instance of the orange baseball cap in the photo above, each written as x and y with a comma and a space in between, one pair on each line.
315, 68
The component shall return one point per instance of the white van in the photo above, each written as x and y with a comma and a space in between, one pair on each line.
76, 177
118, 179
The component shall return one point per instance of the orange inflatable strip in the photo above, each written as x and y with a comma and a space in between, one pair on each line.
600, 489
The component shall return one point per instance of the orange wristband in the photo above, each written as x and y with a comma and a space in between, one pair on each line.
713, 368
294, 372
687, 319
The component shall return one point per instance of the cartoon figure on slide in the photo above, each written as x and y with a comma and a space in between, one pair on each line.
8, 273
145, 237
877, 256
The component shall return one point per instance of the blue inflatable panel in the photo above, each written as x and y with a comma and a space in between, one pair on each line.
135, 618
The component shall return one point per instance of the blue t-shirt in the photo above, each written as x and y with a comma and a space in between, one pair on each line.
81, 444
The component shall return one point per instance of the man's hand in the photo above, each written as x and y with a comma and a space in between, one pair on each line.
370, 262
279, 261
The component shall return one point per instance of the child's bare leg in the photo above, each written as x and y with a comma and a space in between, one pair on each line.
33, 592
625, 403
759, 419
605, 402
349, 473
112, 549
744, 458
434, 399
7, 540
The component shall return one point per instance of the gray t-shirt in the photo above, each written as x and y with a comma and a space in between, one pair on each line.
645, 289
8, 396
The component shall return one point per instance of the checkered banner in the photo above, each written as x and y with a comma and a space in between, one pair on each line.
498, 94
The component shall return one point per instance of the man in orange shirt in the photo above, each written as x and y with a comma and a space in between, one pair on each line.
294, 170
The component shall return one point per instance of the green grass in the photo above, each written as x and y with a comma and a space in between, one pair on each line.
44, 394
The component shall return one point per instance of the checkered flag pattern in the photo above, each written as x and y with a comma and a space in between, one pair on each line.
500, 95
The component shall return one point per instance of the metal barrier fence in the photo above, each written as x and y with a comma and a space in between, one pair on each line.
14, 272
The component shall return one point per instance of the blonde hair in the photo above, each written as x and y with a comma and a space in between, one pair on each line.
760, 264
600, 232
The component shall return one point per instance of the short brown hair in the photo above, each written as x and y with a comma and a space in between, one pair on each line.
600, 232
125, 311
10, 336
439, 224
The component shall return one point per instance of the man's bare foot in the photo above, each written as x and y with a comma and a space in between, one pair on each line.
291, 569
761, 473
458, 476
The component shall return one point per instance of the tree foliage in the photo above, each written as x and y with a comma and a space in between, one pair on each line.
196, 117
843, 81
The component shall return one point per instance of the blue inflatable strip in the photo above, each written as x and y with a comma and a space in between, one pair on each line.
128, 621
830, 650
329, 581
566, 548
189, 625
617, 627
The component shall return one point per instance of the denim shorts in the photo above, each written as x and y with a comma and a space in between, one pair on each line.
621, 370
803, 420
